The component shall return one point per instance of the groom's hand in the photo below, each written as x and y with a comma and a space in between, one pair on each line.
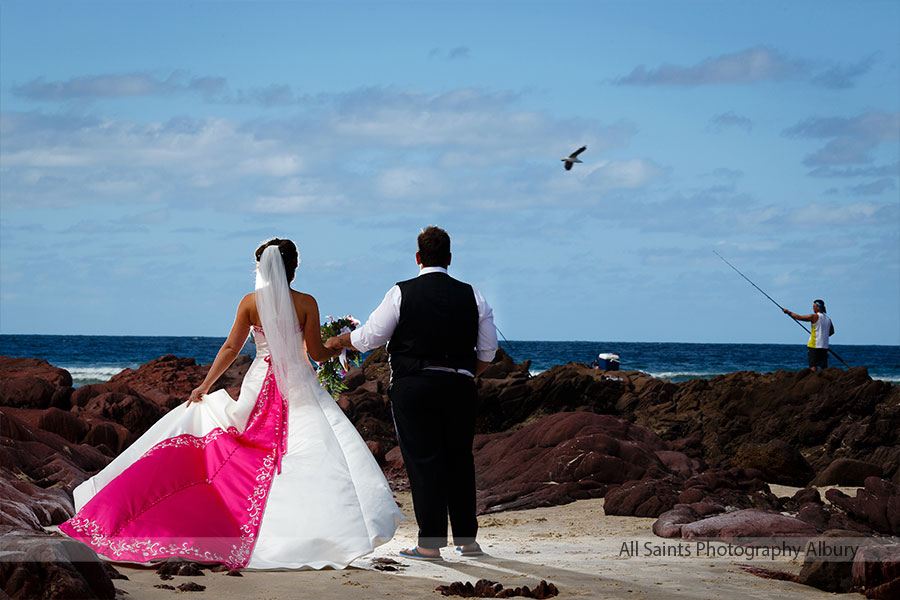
333, 343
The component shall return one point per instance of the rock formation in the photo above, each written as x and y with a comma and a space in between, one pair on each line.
697, 455
51, 439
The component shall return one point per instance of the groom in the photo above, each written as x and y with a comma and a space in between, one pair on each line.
440, 335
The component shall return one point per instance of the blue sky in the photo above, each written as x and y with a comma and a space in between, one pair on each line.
146, 148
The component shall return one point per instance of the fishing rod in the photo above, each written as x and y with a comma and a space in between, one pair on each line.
776, 304
508, 345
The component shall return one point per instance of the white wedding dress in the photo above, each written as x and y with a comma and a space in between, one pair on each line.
328, 505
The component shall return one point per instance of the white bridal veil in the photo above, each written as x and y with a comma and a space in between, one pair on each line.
279, 322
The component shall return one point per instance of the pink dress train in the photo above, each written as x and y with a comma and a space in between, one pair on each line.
264, 482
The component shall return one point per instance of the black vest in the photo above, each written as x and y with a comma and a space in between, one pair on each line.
438, 325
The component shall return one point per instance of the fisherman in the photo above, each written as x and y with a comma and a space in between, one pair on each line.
822, 329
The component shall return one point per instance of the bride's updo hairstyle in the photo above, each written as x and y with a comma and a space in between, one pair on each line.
288, 255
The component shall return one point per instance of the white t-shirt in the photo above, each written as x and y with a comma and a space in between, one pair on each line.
821, 329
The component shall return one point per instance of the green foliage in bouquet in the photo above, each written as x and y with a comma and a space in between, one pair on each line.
331, 372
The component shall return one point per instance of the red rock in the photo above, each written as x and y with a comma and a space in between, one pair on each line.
34, 367
136, 413
395, 471
376, 431
35, 447
749, 480
816, 414
72, 426
377, 451
64, 424
39, 471
33, 383
366, 400
876, 571
16, 510
62, 398
748, 523
877, 505
169, 380
669, 523
679, 463
502, 366
354, 378
83, 394
839, 413
828, 575
644, 498
106, 434
561, 458
741, 488
777, 460
163, 377
847, 472
59, 469
825, 517
376, 365
37, 565
26, 391
804, 496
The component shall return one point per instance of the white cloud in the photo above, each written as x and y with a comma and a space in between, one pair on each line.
282, 165
299, 195
459, 52
463, 145
845, 215
286, 204
455, 53
410, 182
730, 119
851, 140
626, 174
753, 65
119, 86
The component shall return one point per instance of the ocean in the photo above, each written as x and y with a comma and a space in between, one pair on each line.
94, 359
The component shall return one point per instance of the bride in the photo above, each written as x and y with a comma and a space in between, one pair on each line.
278, 479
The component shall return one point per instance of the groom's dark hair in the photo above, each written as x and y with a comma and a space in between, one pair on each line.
434, 247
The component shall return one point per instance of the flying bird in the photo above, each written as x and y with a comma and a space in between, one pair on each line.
573, 158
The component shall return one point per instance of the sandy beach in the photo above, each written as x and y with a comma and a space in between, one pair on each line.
575, 546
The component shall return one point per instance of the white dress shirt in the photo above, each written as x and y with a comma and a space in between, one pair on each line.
383, 321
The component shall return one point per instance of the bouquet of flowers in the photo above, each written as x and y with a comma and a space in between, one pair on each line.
331, 372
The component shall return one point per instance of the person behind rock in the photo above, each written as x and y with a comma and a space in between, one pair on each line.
821, 329
440, 335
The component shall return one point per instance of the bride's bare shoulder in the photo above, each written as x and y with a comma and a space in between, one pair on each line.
247, 305
302, 300
248, 299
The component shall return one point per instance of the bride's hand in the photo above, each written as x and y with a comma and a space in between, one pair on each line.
196, 395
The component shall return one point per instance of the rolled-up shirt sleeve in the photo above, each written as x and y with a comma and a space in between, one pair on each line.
486, 345
381, 324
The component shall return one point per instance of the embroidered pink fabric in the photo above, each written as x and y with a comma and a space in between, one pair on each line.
200, 498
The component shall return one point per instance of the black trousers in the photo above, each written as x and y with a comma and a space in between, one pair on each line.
817, 357
434, 414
